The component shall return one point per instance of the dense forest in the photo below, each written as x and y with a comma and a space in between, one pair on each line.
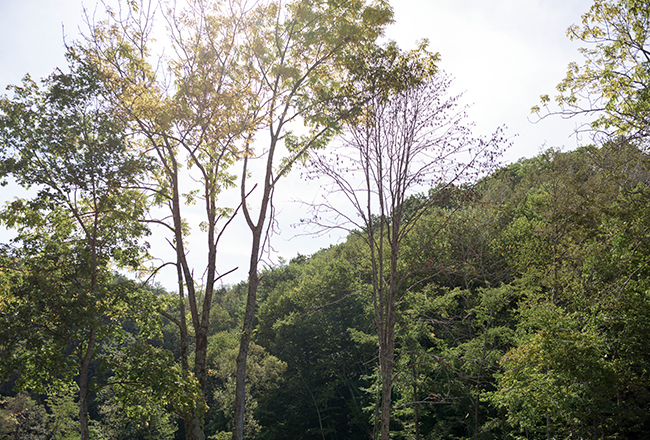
469, 299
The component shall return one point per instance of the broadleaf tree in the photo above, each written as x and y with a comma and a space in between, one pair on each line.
78, 223
192, 118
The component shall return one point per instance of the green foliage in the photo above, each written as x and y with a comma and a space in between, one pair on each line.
613, 82
521, 306
115, 423
62, 140
63, 416
575, 241
83, 218
313, 308
264, 375
450, 343
559, 382
60, 299
22, 418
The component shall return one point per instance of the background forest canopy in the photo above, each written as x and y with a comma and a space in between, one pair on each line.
466, 299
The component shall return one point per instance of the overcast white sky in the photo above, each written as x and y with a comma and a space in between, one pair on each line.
503, 54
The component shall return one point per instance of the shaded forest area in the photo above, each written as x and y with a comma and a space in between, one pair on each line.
468, 300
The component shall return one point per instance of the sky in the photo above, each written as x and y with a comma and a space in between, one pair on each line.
503, 54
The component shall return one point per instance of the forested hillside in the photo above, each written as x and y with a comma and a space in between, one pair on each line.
469, 299
534, 319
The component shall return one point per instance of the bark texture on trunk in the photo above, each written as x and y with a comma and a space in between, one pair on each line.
83, 387
244, 344
386, 393
257, 230
195, 431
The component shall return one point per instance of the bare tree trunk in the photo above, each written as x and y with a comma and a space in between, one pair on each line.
240, 375
244, 343
197, 423
251, 299
386, 368
387, 348
83, 387
193, 425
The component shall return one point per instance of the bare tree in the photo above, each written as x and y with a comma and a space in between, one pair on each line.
405, 140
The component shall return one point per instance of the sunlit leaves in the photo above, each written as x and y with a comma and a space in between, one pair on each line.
63, 142
558, 381
614, 81
147, 378
80, 222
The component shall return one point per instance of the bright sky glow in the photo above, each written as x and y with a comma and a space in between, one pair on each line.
503, 54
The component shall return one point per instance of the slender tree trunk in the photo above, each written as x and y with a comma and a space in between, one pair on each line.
83, 387
387, 362
195, 424
386, 368
415, 401
201, 332
183, 321
244, 343
388, 301
257, 229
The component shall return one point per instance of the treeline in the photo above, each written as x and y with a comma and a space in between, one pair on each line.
532, 323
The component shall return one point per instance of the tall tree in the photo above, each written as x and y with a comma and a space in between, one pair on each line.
192, 119
59, 300
298, 55
239, 70
409, 135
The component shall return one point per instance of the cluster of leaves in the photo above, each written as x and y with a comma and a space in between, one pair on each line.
614, 81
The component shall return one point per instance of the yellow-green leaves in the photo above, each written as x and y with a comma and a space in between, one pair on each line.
556, 381
613, 83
